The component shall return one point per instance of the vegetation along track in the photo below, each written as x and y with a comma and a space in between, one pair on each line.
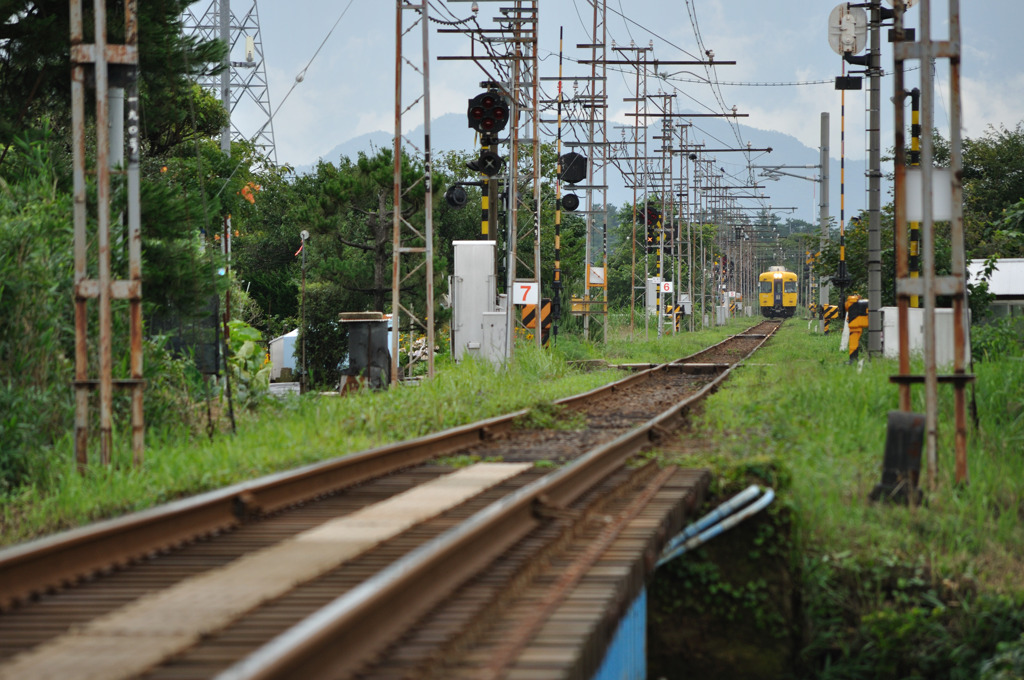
261, 579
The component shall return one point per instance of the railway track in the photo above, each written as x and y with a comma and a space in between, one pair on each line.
386, 550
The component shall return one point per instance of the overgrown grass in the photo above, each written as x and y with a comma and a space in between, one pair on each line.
825, 420
285, 435
887, 590
293, 432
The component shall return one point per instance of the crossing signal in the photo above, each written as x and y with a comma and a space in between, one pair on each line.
488, 113
652, 218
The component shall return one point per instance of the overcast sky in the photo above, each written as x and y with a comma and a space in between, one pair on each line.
783, 76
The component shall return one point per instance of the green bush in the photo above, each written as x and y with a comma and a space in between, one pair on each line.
37, 333
250, 368
997, 339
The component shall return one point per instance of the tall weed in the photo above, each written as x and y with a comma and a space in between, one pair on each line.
36, 326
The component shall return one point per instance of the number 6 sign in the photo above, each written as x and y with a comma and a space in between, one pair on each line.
666, 286
525, 292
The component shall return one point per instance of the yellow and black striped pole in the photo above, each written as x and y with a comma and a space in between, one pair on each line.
484, 213
915, 160
842, 279
829, 314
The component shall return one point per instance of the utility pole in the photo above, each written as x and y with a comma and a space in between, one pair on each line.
412, 247
823, 289
106, 62
938, 196
875, 184
598, 160
513, 47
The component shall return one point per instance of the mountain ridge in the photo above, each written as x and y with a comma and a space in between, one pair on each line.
450, 133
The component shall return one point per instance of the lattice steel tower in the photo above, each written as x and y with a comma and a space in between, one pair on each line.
245, 80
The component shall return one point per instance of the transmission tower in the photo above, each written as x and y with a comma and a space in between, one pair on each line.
244, 80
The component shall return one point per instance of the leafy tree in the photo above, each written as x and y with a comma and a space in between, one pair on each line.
350, 208
35, 63
993, 180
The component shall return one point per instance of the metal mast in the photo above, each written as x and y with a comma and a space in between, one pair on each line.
597, 157
412, 245
245, 79
938, 197
110, 65
511, 50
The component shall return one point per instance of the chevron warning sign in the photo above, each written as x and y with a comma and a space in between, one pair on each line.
530, 318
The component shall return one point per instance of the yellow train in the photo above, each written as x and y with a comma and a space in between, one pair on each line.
777, 292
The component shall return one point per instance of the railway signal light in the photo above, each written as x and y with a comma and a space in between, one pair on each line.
488, 113
456, 196
570, 202
573, 167
652, 218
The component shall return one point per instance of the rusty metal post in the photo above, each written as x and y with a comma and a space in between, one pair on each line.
928, 251
103, 228
134, 239
405, 237
961, 325
533, 9
81, 241
899, 208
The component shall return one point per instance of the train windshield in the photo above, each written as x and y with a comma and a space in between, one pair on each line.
789, 287
766, 286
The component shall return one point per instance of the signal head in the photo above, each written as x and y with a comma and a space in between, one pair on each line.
488, 112
455, 196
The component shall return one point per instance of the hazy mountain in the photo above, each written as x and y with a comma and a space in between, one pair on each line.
450, 132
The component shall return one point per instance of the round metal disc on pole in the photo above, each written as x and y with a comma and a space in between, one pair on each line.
847, 29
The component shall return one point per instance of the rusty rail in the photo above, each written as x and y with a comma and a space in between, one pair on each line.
63, 558
59, 560
371, 615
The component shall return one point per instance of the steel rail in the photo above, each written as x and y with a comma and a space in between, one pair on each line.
61, 559
343, 635
58, 560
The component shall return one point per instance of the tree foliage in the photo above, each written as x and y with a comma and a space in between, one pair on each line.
994, 193
35, 64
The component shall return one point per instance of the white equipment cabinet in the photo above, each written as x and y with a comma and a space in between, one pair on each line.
473, 292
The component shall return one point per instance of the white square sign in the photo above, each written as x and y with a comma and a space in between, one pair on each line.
666, 286
525, 293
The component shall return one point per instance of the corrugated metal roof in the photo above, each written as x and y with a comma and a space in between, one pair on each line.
1007, 279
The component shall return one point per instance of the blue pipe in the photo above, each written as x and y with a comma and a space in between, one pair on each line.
716, 515
724, 517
